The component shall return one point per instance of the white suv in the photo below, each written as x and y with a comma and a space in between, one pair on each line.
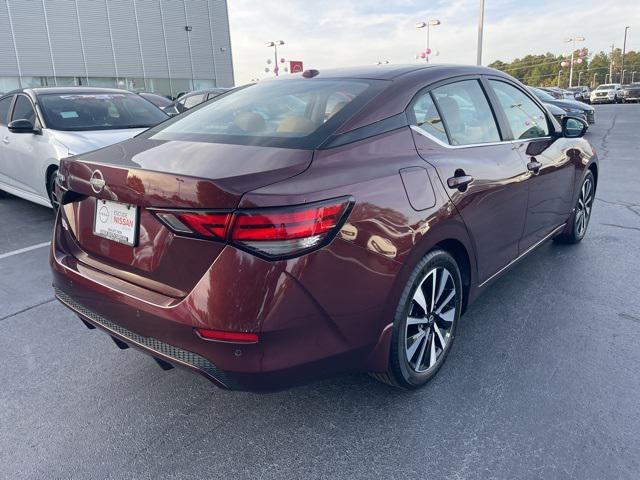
40, 126
607, 93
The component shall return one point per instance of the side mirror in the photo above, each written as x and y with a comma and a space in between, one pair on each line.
22, 126
573, 127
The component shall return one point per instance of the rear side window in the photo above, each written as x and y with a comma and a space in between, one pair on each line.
193, 100
23, 110
525, 118
466, 113
426, 117
5, 103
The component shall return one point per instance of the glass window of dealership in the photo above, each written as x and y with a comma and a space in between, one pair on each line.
161, 46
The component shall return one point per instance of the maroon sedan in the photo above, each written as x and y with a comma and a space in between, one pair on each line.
330, 222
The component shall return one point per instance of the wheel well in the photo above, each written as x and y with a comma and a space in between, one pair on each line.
594, 169
50, 170
460, 255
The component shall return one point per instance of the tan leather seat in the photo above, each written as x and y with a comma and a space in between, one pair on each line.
296, 124
250, 122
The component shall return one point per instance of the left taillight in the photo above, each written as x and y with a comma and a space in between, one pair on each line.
273, 233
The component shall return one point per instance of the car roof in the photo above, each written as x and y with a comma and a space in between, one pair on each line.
70, 90
387, 72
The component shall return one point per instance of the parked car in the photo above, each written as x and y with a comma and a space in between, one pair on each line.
607, 93
558, 93
40, 126
631, 93
192, 99
557, 112
263, 245
158, 100
581, 93
571, 107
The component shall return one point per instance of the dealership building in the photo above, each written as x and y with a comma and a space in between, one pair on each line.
162, 46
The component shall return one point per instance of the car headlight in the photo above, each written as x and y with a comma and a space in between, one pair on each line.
575, 111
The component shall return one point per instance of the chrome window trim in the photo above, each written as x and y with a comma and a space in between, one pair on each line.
418, 130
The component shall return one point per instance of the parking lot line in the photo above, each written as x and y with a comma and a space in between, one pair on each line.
24, 250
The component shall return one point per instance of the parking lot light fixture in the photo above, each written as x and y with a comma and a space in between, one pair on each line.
573, 41
428, 24
275, 45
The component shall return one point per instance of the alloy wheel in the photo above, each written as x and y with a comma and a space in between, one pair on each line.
583, 209
53, 196
430, 322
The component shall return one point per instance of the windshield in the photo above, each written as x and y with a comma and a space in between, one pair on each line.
289, 113
605, 87
98, 111
542, 95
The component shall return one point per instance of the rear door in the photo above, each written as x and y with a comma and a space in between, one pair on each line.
5, 107
25, 153
456, 131
550, 172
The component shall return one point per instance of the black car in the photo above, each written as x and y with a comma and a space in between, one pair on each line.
572, 107
158, 100
557, 112
192, 99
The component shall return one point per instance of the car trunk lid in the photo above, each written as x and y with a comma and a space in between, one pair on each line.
150, 175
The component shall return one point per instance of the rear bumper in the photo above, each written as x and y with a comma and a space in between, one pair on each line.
298, 340
151, 346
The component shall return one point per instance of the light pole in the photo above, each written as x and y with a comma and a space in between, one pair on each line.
610, 67
573, 41
275, 54
593, 84
579, 77
624, 72
633, 76
428, 24
480, 28
606, 77
559, 73
624, 49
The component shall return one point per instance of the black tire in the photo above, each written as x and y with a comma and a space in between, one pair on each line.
575, 230
51, 184
402, 373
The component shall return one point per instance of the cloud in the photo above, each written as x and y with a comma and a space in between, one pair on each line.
336, 33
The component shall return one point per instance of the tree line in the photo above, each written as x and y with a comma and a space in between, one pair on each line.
546, 70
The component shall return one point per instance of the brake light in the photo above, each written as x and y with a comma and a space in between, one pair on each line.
270, 232
229, 337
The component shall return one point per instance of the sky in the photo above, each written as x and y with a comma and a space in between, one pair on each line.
339, 33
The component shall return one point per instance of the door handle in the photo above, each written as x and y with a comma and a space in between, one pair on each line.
534, 166
5, 140
460, 181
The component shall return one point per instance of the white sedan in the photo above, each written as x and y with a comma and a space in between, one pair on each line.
40, 126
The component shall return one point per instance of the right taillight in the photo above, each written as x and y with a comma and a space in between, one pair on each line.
268, 232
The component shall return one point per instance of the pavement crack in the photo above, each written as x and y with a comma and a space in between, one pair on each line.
629, 317
605, 139
621, 226
27, 309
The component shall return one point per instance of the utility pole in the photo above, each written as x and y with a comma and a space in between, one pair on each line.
480, 28
624, 49
611, 66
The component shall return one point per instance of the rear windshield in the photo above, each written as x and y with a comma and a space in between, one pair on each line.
98, 111
292, 113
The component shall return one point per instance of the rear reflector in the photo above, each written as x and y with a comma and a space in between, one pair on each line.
269, 232
229, 337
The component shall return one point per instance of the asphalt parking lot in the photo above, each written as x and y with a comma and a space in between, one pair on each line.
542, 382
